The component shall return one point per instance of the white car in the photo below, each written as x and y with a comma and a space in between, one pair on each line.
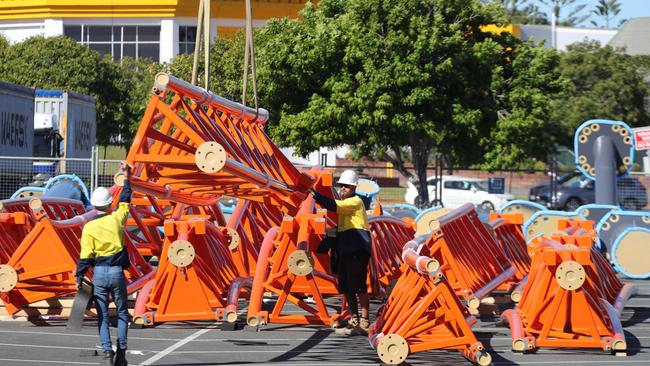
458, 190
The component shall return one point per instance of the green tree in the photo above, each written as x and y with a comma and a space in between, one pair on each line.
523, 12
135, 81
606, 10
399, 77
226, 66
62, 63
605, 84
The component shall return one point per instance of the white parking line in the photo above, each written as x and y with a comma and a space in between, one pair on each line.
31, 362
41, 346
178, 344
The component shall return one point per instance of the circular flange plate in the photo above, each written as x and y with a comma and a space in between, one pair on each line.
632, 254
300, 263
35, 204
234, 238
570, 275
8, 278
210, 157
428, 221
181, 253
30, 193
119, 179
546, 224
524, 210
392, 349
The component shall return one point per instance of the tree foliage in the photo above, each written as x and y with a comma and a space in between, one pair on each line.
605, 84
413, 76
62, 63
606, 10
576, 15
226, 66
523, 12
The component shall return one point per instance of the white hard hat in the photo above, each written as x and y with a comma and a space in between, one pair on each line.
101, 197
349, 178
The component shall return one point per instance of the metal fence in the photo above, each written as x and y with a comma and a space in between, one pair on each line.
633, 191
17, 172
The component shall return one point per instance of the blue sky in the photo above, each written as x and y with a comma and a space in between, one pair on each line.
629, 9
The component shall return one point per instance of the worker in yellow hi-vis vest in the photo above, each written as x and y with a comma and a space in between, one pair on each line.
102, 247
354, 250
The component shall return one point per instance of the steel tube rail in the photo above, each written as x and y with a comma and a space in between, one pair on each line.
513, 320
421, 263
141, 302
626, 292
233, 297
516, 294
618, 343
257, 291
75, 221
163, 81
242, 171
166, 193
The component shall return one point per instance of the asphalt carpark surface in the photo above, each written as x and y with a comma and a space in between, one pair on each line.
205, 343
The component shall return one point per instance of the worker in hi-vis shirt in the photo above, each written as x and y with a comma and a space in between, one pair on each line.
353, 249
102, 247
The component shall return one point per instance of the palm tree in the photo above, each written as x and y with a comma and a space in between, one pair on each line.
574, 18
607, 10
523, 12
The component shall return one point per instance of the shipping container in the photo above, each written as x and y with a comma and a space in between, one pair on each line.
73, 115
16, 135
16, 120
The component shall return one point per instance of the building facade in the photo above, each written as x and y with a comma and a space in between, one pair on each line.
158, 29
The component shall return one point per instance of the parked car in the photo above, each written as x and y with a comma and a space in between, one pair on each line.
575, 190
458, 190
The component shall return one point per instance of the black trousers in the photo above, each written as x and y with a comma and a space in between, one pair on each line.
353, 272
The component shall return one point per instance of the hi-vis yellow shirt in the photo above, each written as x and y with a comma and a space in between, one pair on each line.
104, 236
352, 214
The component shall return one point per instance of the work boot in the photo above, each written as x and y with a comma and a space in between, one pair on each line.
120, 357
362, 328
349, 328
107, 358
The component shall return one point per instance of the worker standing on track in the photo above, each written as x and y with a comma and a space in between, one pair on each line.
102, 247
353, 248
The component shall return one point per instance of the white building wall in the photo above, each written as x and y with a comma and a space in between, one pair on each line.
565, 35
168, 39
18, 31
53, 27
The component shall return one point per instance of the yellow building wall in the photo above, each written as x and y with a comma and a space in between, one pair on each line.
513, 29
38, 9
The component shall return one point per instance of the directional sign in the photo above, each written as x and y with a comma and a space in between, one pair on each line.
642, 138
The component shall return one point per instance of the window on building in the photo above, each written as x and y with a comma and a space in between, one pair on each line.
118, 41
186, 39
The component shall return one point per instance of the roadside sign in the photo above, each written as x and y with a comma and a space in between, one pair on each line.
497, 185
642, 138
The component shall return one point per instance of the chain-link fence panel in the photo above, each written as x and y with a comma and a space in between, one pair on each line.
106, 170
19, 172
633, 191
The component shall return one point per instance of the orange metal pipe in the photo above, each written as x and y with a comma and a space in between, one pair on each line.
257, 291
233, 297
201, 96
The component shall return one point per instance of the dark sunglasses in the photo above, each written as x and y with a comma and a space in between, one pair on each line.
345, 186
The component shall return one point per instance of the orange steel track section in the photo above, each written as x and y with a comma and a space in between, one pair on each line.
193, 276
469, 256
43, 265
563, 303
423, 313
193, 146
